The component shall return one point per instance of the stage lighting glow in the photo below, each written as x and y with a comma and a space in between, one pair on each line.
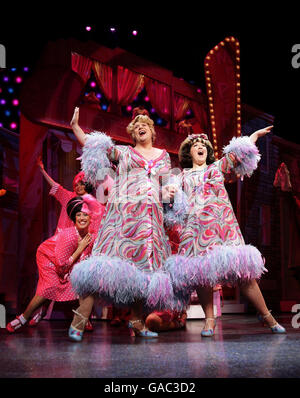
198, 90
134, 32
13, 125
147, 98
152, 110
112, 29
129, 108
93, 84
5, 78
104, 107
188, 112
159, 121
88, 28
13, 69
7, 113
15, 102
98, 95
18, 79
1, 125
10, 90
25, 69
2, 102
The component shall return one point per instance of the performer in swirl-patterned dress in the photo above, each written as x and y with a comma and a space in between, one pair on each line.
127, 263
212, 249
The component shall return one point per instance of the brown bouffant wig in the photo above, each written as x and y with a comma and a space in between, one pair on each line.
184, 154
141, 119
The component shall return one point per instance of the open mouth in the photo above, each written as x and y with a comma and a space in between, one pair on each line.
142, 132
200, 153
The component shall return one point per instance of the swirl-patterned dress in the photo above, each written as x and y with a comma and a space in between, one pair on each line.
212, 249
128, 257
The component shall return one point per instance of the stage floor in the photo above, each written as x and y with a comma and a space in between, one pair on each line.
241, 348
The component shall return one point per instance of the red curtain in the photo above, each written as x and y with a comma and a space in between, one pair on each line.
129, 85
200, 114
181, 105
160, 97
32, 136
104, 77
82, 66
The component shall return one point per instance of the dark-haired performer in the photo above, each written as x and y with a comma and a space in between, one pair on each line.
62, 195
212, 249
57, 256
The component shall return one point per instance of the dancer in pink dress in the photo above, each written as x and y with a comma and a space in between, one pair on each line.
56, 257
127, 263
62, 195
212, 249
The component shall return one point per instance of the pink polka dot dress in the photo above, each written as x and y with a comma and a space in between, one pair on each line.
53, 255
55, 263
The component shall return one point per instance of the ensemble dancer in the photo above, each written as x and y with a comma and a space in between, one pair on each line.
62, 195
55, 258
212, 249
127, 263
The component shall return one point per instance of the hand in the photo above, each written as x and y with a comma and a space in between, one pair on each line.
83, 243
40, 163
168, 192
260, 133
75, 117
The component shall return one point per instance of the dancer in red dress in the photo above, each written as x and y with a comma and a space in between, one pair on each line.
62, 195
57, 256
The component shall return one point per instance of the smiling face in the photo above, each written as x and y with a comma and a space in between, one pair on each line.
82, 220
198, 153
80, 188
142, 132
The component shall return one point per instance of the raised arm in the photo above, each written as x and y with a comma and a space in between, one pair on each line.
40, 164
79, 133
241, 155
260, 133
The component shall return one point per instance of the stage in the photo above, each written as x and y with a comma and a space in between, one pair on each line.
241, 348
